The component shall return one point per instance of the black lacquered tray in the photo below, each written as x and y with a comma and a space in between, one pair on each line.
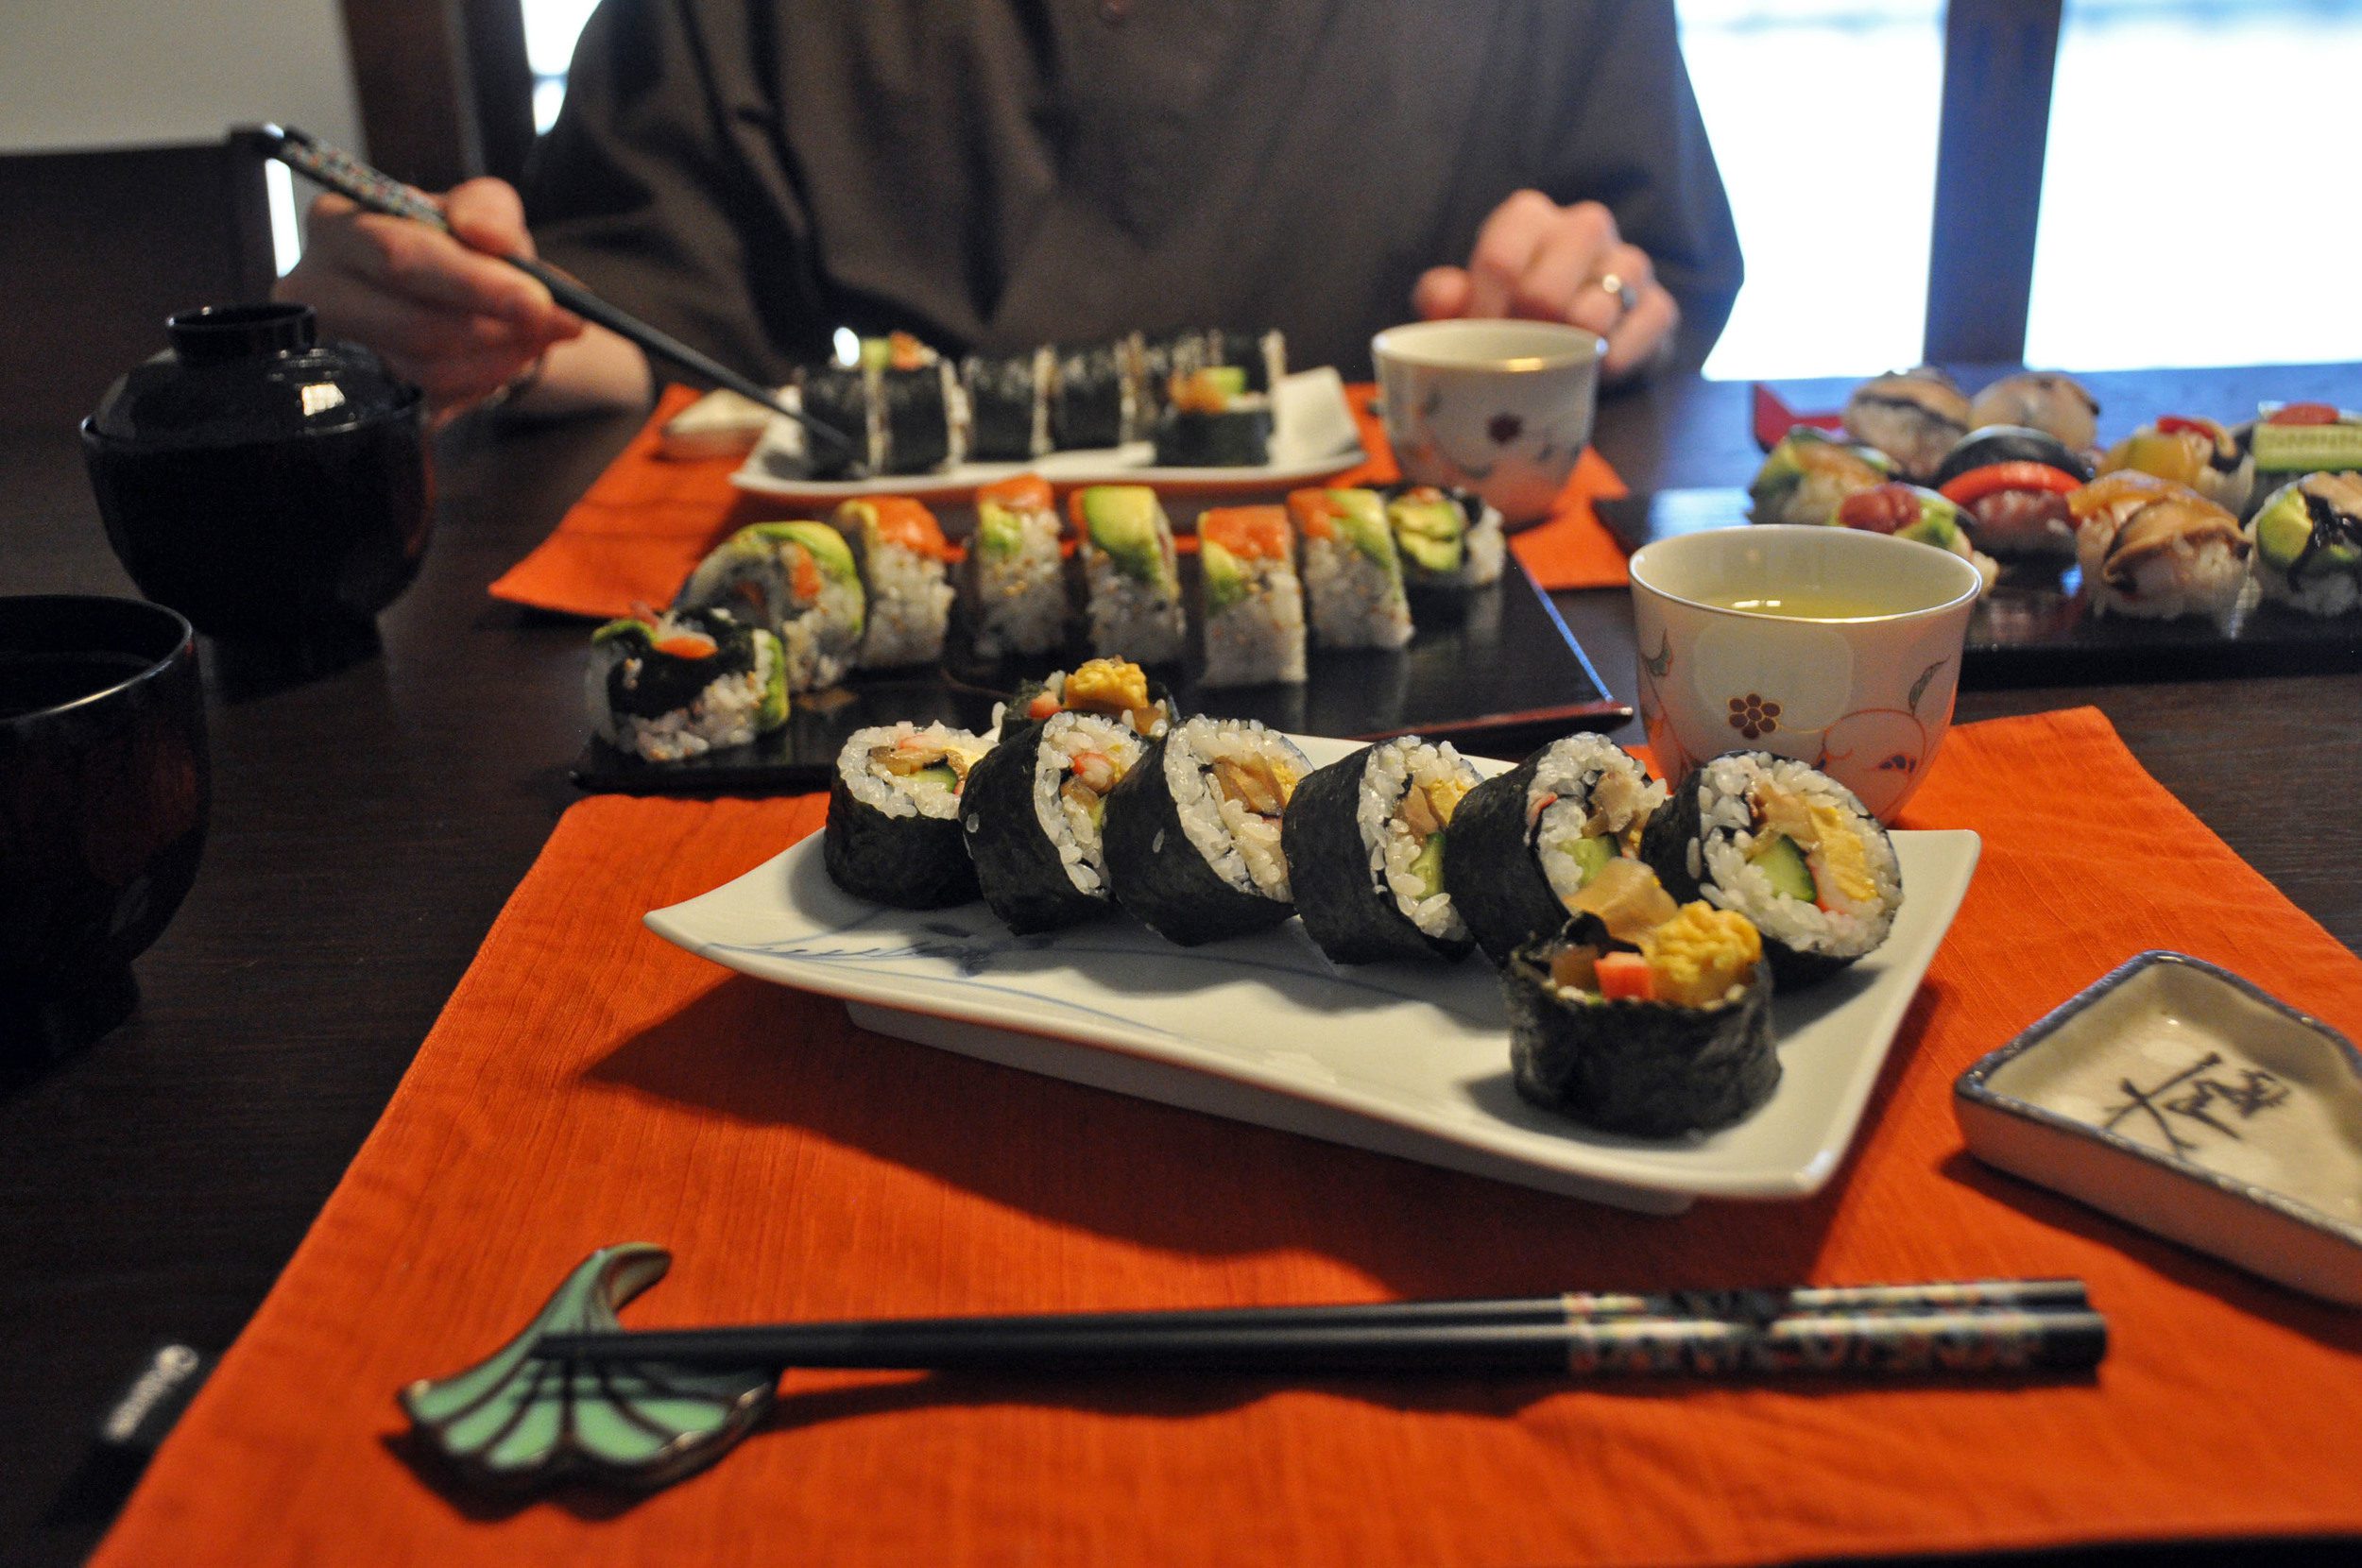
1496, 675
2034, 629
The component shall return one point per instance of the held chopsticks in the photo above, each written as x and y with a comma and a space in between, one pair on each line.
345, 175
1974, 1326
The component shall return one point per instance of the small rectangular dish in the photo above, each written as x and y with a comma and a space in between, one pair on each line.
2181, 1098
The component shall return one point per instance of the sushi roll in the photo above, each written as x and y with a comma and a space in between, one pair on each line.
1095, 401
913, 391
2041, 400
1114, 688
685, 683
797, 579
839, 397
1788, 848
1363, 839
1448, 541
1804, 477
1254, 616
1131, 574
2308, 544
1643, 1016
2013, 485
1015, 580
1008, 405
904, 570
1922, 515
893, 834
1914, 417
1031, 814
2295, 439
1192, 834
1211, 420
2199, 453
1263, 356
2156, 550
1352, 572
1166, 357
1525, 842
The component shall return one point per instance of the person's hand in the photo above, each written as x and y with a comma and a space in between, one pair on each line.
1536, 260
446, 316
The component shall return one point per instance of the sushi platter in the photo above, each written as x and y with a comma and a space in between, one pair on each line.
1410, 1059
1313, 437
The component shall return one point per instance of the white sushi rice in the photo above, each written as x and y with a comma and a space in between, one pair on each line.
1720, 857
1241, 846
1394, 769
824, 640
1488, 548
1258, 640
1019, 601
894, 794
910, 606
725, 713
1065, 821
1560, 806
1132, 619
2331, 593
2206, 577
1356, 602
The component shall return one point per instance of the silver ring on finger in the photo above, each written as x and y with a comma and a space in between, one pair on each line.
1627, 296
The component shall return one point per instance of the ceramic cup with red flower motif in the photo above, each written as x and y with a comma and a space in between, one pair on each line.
1832, 645
1503, 408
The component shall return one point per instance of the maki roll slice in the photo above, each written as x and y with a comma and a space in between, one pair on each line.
1015, 580
684, 683
839, 397
1115, 687
1352, 572
1261, 356
1166, 357
904, 570
1254, 604
1008, 405
2156, 550
1131, 574
1448, 541
1213, 420
796, 578
1096, 400
910, 396
2041, 400
2199, 453
1788, 848
1643, 1016
1914, 417
1192, 834
1805, 476
1363, 839
1525, 842
2014, 484
1922, 515
893, 834
1031, 815
2308, 544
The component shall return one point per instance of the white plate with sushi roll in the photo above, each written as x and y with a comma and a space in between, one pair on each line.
1313, 438
1408, 1059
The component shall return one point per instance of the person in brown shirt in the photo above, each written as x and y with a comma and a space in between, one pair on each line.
752, 174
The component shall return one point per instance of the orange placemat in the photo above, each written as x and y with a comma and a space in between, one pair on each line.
646, 520
588, 1084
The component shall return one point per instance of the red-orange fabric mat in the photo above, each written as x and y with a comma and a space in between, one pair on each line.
588, 1084
638, 530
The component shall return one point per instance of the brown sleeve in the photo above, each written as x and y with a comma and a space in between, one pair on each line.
660, 186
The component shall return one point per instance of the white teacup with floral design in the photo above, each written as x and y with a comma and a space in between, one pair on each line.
1837, 647
1503, 408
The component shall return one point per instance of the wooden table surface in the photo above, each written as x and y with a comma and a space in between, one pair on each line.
367, 826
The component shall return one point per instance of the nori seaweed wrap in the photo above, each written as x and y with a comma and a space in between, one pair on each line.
1032, 812
1524, 842
1213, 420
1364, 842
1264, 355
1095, 402
1450, 542
1192, 834
915, 413
684, 683
838, 396
1008, 405
893, 834
1635, 1063
1788, 847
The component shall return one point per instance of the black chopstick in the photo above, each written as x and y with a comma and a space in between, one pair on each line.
348, 175
1997, 1325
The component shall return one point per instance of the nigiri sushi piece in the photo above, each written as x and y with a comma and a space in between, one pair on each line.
1914, 417
2197, 452
2013, 482
2308, 544
1922, 515
1804, 477
2041, 400
2157, 549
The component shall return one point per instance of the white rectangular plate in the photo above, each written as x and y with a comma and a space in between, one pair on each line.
1313, 437
1410, 1060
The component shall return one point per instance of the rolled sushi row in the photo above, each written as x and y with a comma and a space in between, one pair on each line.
1202, 394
